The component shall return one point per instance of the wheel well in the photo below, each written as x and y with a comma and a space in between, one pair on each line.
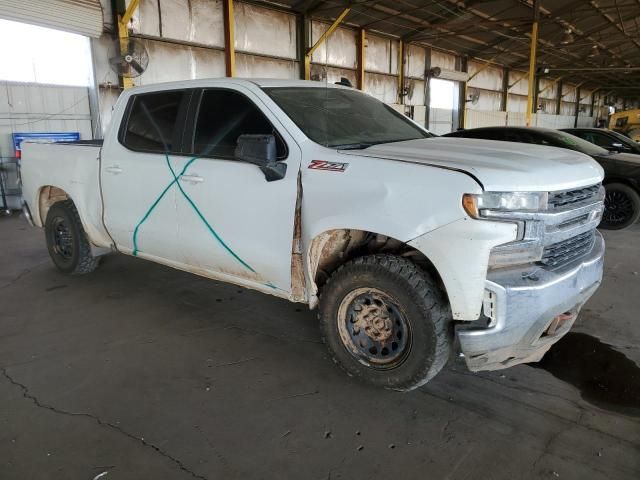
333, 248
625, 181
47, 197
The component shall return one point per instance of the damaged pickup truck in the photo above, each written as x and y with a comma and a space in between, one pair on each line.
412, 248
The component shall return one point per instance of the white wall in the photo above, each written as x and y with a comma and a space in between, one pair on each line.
31, 107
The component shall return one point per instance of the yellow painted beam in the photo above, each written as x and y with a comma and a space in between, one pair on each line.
123, 35
124, 20
229, 38
323, 37
361, 58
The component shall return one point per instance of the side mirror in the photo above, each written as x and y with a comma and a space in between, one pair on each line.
260, 150
617, 145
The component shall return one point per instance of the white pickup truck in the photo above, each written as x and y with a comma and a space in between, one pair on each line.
413, 247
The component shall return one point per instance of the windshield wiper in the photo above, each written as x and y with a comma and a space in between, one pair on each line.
351, 146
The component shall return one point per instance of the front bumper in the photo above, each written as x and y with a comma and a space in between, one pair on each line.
529, 302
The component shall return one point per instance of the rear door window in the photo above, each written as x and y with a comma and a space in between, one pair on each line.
155, 122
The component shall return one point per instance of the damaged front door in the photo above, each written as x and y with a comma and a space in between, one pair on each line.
231, 220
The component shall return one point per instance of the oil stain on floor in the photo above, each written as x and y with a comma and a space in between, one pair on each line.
605, 377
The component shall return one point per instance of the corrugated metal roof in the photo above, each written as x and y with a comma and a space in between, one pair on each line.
605, 34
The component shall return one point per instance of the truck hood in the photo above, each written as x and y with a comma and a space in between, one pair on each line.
497, 166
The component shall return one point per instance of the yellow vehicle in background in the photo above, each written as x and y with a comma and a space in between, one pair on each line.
627, 123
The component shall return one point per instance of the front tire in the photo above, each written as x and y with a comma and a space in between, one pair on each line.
386, 322
621, 207
66, 240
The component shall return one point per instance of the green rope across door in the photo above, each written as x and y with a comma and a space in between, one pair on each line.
193, 205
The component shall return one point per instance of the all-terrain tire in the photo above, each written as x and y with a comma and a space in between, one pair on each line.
411, 291
622, 207
67, 241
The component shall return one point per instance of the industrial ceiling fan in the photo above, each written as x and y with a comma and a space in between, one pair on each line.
128, 57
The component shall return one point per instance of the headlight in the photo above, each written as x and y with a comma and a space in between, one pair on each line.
476, 204
502, 206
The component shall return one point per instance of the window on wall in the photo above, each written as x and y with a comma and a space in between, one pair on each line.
42, 55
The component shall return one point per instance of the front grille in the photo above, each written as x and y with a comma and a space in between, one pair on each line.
569, 197
561, 253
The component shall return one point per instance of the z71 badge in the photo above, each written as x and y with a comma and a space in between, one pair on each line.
330, 166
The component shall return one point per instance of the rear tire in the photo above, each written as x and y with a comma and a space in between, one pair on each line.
621, 207
66, 240
386, 322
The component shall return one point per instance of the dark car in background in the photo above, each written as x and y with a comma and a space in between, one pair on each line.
608, 139
622, 170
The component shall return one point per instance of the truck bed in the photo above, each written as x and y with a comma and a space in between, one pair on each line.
72, 169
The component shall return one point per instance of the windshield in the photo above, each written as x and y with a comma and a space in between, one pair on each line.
341, 118
567, 140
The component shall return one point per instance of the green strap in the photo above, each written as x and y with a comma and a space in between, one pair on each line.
193, 205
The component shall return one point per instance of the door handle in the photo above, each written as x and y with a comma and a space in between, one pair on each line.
115, 169
191, 179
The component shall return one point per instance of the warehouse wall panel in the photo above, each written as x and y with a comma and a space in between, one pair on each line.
487, 100
567, 108
339, 50
279, 39
252, 66
548, 89
383, 87
443, 60
378, 54
516, 103
146, 18
518, 82
485, 118
170, 62
482, 76
415, 61
198, 21
568, 92
554, 121
323, 73
517, 119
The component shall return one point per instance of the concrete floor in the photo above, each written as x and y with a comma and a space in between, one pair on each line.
144, 372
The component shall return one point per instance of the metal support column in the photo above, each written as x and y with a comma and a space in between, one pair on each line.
362, 42
229, 38
325, 35
123, 34
463, 66
532, 60
504, 99
577, 109
559, 98
303, 26
427, 87
401, 66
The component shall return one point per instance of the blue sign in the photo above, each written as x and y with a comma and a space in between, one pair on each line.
49, 136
